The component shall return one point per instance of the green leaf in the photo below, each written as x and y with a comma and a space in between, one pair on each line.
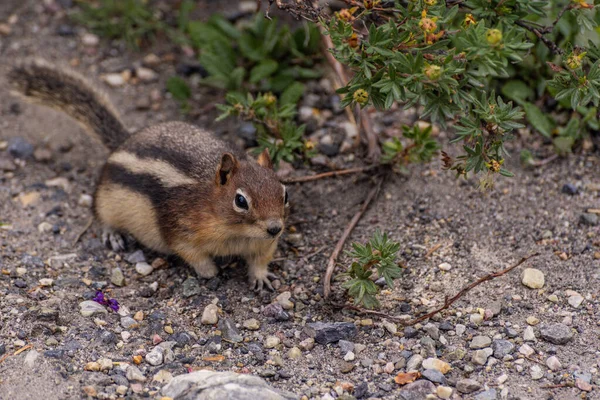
540, 121
178, 88
517, 90
263, 70
292, 94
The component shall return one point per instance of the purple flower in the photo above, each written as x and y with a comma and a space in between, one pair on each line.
105, 301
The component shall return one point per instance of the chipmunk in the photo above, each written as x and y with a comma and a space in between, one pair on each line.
174, 187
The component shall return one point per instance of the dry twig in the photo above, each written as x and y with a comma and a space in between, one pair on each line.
340, 244
328, 174
83, 231
433, 250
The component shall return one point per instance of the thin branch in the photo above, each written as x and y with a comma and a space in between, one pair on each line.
466, 289
340, 244
541, 163
83, 231
549, 44
433, 250
340, 172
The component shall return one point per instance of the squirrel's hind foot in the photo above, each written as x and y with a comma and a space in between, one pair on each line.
113, 239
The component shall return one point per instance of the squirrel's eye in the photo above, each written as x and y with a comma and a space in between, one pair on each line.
286, 199
241, 201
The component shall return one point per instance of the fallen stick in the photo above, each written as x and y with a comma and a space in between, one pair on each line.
83, 231
433, 250
340, 244
328, 174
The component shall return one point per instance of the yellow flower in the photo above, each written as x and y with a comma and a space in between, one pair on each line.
494, 165
582, 4
427, 24
493, 36
270, 99
574, 60
433, 72
361, 96
431, 2
309, 145
469, 20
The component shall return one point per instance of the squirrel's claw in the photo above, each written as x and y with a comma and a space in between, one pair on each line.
113, 240
257, 283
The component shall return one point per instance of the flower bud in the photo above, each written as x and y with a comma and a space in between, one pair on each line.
361, 96
432, 72
493, 36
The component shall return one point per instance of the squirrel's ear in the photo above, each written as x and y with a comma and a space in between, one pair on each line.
264, 159
227, 167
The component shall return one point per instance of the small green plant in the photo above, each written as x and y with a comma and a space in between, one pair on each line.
379, 254
274, 121
180, 91
131, 20
421, 147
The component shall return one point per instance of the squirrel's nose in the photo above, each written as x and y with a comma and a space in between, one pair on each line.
274, 229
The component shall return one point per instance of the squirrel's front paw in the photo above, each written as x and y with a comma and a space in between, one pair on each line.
205, 269
113, 239
259, 278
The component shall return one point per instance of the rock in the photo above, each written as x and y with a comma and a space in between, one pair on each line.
589, 219
284, 300
418, 390
536, 372
476, 319
88, 308
31, 358
575, 300
229, 331
307, 344
59, 182
391, 327
294, 353
117, 277
556, 333
532, 320
345, 346
467, 386
210, 315
489, 394
445, 266
90, 391
553, 363
133, 373
434, 376
121, 390
191, 287
410, 332
42, 155
136, 257
143, 268
533, 278
105, 364
444, 392
162, 376
7, 165
90, 40
569, 188
460, 329
155, 357
275, 310
325, 333
479, 342
434, 363
129, 323
526, 350
502, 348
114, 80
205, 385
251, 324
30, 199
346, 367
349, 356
414, 363
146, 74
19, 147
480, 357
583, 385
272, 342
85, 200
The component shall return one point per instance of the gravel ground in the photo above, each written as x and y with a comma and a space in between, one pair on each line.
510, 338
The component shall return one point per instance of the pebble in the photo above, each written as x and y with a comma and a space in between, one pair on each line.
105, 364
59, 182
117, 277
30, 199
90, 40
191, 287
502, 348
489, 394
445, 266
414, 363
210, 315
476, 319
88, 308
133, 373
444, 392
31, 358
155, 357
536, 372
419, 389
556, 333
307, 344
143, 268
434, 363
135, 257
325, 333
479, 342
349, 356
85, 200
42, 155
583, 385
146, 74
529, 334
46, 282
501, 379
389, 368
480, 357
531, 320
162, 376
284, 300
229, 331
434, 376
114, 80
460, 329
526, 350
294, 353
533, 278
272, 342
275, 310
391, 327
345, 346
252, 324
589, 219
575, 300
19, 147
129, 323
553, 363
467, 386
121, 390
168, 329
569, 188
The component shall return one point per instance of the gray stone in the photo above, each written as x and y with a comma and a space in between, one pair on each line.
155, 357
143, 268
434, 376
191, 287
117, 277
479, 342
418, 390
490, 394
136, 257
18, 147
134, 374
128, 322
209, 385
275, 310
331, 332
480, 356
467, 386
556, 333
229, 332
502, 348
589, 219
31, 358
88, 308
345, 346
414, 362
432, 331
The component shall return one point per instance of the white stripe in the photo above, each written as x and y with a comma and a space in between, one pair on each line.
165, 172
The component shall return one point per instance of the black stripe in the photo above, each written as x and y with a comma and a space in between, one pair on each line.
145, 184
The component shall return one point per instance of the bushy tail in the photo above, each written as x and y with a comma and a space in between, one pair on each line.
63, 89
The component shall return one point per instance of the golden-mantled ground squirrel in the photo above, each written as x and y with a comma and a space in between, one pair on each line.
174, 187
